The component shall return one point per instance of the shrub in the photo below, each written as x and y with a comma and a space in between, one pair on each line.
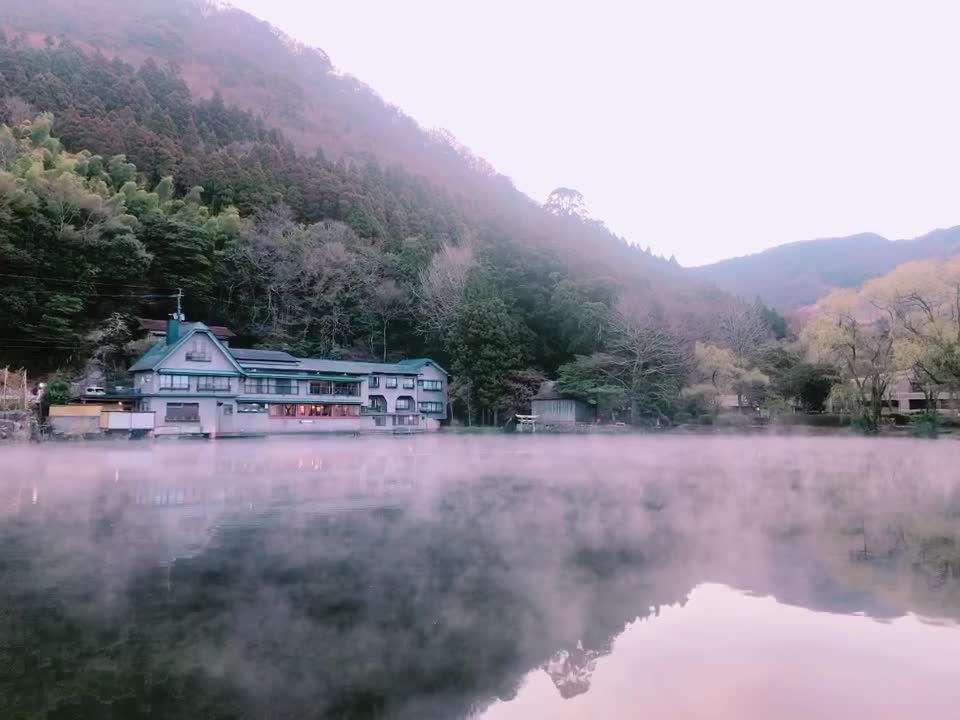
58, 392
925, 425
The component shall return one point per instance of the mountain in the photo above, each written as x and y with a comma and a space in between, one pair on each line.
161, 146
220, 58
798, 274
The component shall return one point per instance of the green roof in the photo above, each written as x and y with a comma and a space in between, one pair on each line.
161, 351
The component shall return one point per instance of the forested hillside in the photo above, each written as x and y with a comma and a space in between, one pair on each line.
798, 274
118, 186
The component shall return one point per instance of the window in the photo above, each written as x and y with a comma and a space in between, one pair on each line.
380, 421
228, 409
342, 389
432, 385
431, 407
198, 352
183, 412
249, 407
373, 381
391, 382
313, 410
406, 419
409, 383
378, 403
404, 403
174, 382
269, 386
283, 410
255, 386
213, 382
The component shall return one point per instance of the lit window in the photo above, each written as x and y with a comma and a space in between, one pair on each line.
249, 407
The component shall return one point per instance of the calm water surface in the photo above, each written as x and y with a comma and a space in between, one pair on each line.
481, 577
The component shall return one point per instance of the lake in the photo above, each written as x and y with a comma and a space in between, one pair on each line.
481, 577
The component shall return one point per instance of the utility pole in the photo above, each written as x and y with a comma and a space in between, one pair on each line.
179, 297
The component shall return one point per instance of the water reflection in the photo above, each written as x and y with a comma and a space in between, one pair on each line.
472, 577
727, 654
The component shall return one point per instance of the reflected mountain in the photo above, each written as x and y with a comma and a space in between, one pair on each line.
424, 577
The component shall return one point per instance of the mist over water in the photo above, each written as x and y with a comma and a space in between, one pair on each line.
481, 577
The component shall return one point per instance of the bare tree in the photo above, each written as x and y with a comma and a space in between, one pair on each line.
388, 302
646, 359
440, 293
742, 328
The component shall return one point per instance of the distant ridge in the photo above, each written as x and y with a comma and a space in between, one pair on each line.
799, 273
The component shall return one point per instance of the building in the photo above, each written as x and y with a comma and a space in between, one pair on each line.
906, 396
194, 383
903, 395
553, 408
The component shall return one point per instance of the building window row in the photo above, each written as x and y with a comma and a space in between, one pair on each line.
431, 407
404, 420
432, 385
270, 386
404, 403
313, 410
340, 389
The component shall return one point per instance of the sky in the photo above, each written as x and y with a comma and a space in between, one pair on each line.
703, 129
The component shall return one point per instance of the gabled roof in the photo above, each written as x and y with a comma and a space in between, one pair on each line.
548, 391
161, 351
417, 363
253, 355
160, 326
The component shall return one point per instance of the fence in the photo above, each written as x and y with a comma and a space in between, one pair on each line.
15, 393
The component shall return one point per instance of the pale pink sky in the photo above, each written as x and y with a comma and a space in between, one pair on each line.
705, 129
726, 655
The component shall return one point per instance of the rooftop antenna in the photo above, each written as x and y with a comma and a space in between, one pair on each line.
179, 296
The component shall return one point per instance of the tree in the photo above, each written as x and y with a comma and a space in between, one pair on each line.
743, 329
810, 383
388, 302
442, 285
846, 330
922, 301
717, 373
641, 370
486, 343
566, 202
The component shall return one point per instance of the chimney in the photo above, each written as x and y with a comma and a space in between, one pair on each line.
173, 329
